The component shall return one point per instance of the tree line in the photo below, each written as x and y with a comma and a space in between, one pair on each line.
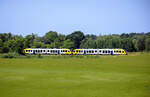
132, 42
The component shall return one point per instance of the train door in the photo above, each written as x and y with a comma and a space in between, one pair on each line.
58, 52
111, 52
33, 51
84, 52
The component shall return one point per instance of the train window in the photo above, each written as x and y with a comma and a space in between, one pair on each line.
92, 51
89, 51
95, 51
35, 50
103, 51
108, 51
119, 51
100, 51
122, 51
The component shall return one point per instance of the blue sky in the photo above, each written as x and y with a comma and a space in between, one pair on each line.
65, 16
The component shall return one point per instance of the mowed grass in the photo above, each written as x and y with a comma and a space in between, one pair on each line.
103, 76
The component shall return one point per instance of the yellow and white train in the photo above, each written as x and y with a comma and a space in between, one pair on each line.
75, 51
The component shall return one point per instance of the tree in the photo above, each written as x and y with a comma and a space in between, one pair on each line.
139, 42
76, 37
55, 44
1, 45
38, 45
89, 43
50, 37
124, 35
5, 37
28, 42
147, 44
126, 43
68, 44
100, 42
20, 44
116, 42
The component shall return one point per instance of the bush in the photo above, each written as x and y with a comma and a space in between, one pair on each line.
10, 55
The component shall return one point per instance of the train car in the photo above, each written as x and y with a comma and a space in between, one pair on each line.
75, 51
47, 51
99, 52
78, 52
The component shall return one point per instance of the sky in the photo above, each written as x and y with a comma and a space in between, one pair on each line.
99, 17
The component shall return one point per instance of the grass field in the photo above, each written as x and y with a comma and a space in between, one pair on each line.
102, 76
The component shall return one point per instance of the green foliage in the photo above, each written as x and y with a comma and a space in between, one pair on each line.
10, 55
50, 37
89, 43
38, 45
28, 42
147, 44
130, 42
1, 46
68, 44
76, 37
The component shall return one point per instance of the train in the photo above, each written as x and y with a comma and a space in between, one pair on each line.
65, 51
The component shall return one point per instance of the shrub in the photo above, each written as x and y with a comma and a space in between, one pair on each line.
10, 55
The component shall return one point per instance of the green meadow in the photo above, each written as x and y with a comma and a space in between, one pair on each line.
80, 76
